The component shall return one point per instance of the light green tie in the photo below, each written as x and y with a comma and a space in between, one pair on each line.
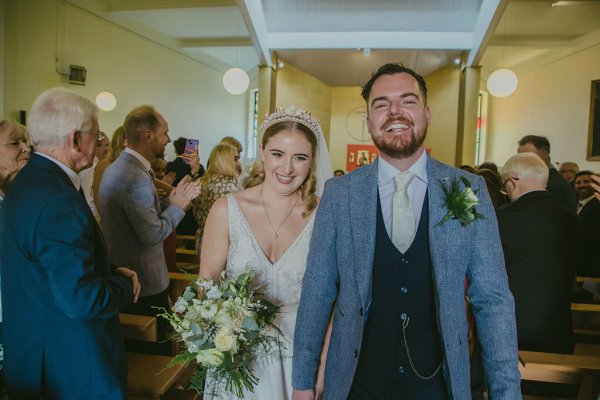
403, 220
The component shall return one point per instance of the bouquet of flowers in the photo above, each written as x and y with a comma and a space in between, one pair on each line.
224, 326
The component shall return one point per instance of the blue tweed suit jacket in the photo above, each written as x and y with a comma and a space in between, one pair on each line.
133, 223
61, 330
339, 274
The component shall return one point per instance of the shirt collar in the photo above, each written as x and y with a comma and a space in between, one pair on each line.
386, 171
73, 176
140, 157
585, 201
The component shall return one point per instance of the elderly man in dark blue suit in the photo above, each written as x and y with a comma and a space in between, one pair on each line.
60, 295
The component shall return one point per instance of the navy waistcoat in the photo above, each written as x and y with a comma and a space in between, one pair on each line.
402, 289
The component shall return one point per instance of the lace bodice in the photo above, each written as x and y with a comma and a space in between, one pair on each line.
281, 281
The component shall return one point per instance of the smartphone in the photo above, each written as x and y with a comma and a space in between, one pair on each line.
191, 146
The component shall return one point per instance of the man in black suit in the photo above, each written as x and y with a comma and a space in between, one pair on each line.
557, 186
588, 209
540, 238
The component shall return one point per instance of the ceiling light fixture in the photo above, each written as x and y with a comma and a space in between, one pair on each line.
503, 82
106, 101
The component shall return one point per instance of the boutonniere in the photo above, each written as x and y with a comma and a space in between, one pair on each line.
460, 203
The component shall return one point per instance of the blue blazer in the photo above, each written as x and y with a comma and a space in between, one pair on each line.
61, 332
339, 273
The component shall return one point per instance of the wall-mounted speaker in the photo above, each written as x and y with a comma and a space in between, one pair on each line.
77, 74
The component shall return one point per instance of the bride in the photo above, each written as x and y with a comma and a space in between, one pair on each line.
268, 229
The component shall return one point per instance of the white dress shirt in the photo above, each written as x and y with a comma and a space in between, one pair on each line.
416, 189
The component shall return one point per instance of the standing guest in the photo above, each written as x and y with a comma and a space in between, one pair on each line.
102, 147
541, 240
184, 165
132, 219
235, 143
588, 210
61, 296
117, 145
219, 180
14, 154
163, 183
395, 286
568, 170
493, 183
489, 165
338, 172
87, 175
558, 186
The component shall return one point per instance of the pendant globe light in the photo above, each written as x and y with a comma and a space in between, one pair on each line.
236, 80
502, 82
106, 101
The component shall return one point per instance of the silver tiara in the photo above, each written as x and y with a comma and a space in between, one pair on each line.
292, 114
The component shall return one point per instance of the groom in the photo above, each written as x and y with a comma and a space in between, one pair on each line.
396, 289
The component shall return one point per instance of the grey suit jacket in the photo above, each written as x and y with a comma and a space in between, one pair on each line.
134, 225
339, 274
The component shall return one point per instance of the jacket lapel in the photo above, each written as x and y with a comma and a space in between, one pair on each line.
363, 215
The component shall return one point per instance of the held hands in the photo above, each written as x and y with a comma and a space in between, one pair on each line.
193, 161
184, 193
126, 272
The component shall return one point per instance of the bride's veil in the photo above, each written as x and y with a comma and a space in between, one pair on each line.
324, 169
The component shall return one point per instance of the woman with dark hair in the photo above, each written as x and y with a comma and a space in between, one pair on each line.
268, 229
493, 183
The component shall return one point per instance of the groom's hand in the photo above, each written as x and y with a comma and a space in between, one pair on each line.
303, 394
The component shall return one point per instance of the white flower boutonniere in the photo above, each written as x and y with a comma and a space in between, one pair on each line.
460, 203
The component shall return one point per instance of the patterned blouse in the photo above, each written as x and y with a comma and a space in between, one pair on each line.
217, 187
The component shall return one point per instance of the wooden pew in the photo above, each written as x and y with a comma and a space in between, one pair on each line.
580, 369
178, 282
150, 378
139, 327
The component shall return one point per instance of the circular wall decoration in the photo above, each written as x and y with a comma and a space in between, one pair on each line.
356, 124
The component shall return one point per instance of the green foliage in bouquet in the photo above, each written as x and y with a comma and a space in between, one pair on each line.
224, 327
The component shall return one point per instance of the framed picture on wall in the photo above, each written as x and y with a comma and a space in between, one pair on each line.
593, 148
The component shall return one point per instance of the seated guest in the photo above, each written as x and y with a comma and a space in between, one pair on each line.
588, 209
219, 180
338, 172
541, 240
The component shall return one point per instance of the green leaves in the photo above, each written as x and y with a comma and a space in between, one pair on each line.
460, 203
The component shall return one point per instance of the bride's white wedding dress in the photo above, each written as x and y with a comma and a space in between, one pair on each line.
282, 283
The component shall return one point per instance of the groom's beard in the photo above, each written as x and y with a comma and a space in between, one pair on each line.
399, 146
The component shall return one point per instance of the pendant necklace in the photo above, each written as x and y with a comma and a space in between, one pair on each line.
276, 231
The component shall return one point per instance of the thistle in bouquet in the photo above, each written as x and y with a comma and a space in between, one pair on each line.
224, 325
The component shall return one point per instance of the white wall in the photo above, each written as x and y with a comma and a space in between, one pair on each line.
552, 100
136, 70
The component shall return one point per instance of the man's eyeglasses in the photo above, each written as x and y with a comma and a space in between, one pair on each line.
99, 136
503, 186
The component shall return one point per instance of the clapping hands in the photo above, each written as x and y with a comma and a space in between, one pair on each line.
596, 186
184, 193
